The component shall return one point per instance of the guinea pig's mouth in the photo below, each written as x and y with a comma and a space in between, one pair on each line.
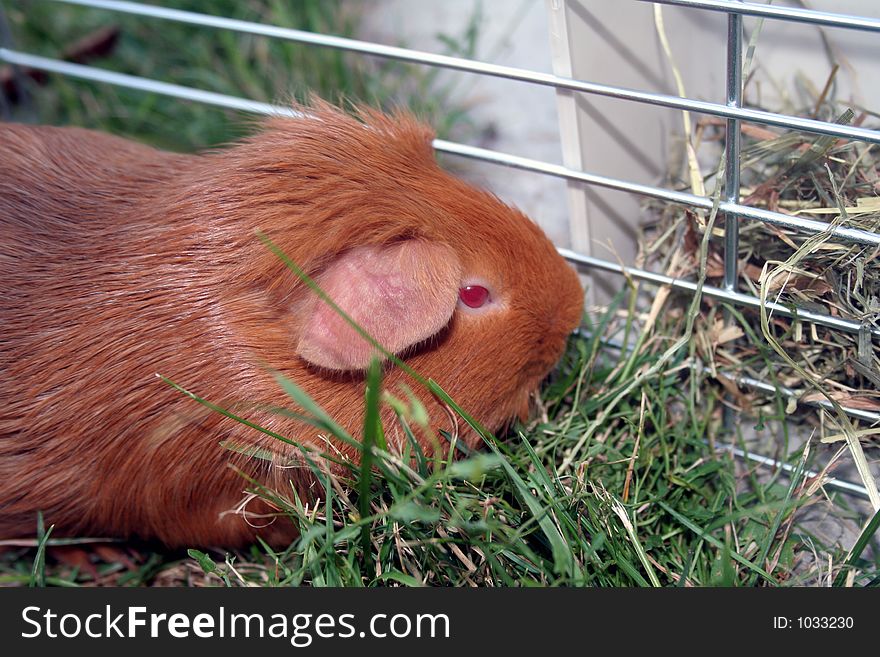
535, 371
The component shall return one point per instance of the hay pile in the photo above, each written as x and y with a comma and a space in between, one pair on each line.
816, 177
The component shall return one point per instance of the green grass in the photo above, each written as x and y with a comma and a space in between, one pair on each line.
646, 501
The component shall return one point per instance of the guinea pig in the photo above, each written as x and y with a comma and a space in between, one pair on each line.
119, 261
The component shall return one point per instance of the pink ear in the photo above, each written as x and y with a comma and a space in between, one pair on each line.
399, 293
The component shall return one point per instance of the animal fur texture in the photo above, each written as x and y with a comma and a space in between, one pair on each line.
119, 261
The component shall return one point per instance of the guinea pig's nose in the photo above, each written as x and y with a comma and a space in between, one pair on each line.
571, 301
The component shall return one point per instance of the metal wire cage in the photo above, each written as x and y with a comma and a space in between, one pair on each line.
733, 112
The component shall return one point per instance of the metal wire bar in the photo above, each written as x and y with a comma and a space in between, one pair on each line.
737, 298
750, 382
95, 74
799, 224
798, 14
142, 84
730, 255
831, 482
732, 150
485, 68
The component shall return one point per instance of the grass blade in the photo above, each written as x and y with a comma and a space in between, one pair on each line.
714, 541
38, 571
858, 547
372, 429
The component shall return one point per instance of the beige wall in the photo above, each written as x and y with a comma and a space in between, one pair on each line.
514, 117
615, 42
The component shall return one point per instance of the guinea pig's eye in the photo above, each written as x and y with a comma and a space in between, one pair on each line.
473, 296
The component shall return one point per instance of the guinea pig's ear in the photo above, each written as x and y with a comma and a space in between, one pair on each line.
400, 293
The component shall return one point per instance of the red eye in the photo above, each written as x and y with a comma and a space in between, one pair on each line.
473, 296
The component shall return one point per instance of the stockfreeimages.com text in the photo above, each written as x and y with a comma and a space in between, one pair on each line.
300, 629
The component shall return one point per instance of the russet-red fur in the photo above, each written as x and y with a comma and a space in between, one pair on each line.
119, 261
